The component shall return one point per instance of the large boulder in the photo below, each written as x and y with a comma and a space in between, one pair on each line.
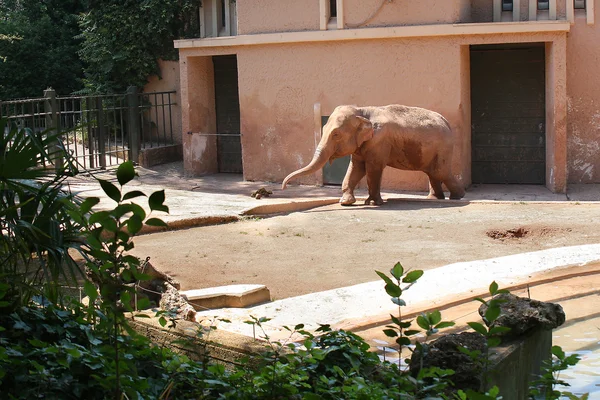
444, 353
522, 315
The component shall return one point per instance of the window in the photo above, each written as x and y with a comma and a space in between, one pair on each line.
507, 5
332, 8
543, 5
580, 4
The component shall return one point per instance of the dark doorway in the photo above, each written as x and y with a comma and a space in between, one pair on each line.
334, 173
227, 103
508, 114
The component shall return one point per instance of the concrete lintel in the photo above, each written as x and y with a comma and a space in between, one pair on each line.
378, 33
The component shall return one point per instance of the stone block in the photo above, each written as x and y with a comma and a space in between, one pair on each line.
233, 296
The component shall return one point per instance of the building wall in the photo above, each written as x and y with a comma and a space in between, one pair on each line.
424, 12
265, 16
583, 88
168, 81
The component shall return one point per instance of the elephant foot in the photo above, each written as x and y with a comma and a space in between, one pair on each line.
433, 196
376, 200
347, 199
457, 196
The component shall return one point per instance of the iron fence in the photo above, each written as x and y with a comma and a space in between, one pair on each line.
103, 130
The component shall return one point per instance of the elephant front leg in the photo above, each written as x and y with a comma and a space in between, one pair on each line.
374, 174
435, 189
356, 171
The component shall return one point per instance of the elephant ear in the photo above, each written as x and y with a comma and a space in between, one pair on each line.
364, 130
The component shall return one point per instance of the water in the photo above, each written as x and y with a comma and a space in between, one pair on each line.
583, 338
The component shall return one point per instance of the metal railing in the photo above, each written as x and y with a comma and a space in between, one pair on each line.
103, 130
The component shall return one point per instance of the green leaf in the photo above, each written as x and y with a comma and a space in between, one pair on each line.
398, 301
390, 332
88, 203
477, 327
493, 288
133, 194
385, 278
412, 276
403, 341
479, 299
397, 271
143, 303
445, 324
162, 321
423, 322
156, 222
435, 317
133, 208
125, 172
498, 330
493, 341
492, 313
393, 290
90, 291
99, 216
411, 332
109, 224
134, 224
156, 200
298, 327
111, 190
558, 352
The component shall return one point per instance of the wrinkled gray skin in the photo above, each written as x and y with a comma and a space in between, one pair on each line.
408, 138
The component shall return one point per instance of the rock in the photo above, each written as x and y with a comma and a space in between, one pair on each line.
444, 353
522, 315
171, 300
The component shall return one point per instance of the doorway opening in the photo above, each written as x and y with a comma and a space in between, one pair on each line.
508, 114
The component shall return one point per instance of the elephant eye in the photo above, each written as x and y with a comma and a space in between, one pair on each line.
335, 134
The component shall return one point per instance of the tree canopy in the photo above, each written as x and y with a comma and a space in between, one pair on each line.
92, 46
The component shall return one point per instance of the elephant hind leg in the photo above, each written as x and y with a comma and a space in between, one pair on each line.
435, 189
457, 191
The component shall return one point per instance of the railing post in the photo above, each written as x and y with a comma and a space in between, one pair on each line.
51, 117
133, 121
100, 131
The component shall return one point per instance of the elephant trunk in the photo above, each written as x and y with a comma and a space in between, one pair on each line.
319, 160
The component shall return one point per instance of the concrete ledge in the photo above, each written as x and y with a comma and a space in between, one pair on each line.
160, 155
188, 223
222, 347
388, 32
276, 208
236, 296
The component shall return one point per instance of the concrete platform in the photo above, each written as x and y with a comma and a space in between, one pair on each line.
233, 296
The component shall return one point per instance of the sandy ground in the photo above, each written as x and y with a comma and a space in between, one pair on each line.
334, 246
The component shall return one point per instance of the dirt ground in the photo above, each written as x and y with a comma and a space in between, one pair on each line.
334, 246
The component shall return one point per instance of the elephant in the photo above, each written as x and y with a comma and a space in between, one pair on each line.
402, 137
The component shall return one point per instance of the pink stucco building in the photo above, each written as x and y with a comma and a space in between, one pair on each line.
517, 80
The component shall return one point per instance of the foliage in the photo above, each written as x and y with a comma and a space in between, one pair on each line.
37, 229
38, 47
545, 386
123, 40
